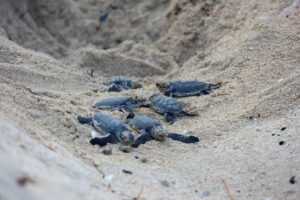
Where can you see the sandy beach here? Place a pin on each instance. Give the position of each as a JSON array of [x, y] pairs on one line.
[[55, 55]]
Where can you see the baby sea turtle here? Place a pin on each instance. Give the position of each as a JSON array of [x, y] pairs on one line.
[[114, 129], [148, 129], [168, 106], [118, 83], [151, 129], [185, 88], [125, 104]]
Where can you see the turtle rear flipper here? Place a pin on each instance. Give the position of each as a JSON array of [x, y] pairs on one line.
[[189, 110], [85, 120], [182, 138], [190, 113], [102, 141], [141, 139]]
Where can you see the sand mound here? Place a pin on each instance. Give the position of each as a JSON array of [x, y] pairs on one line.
[[60, 27], [109, 63], [249, 128]]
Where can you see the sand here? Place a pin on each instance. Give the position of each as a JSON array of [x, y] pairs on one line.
[[249, 128]]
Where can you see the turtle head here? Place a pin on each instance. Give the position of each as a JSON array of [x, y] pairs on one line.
[[153, 96], [212, 86], [136, 84], [126, 137], [163, 85], [139, 99], [159, 133], [114, 88]]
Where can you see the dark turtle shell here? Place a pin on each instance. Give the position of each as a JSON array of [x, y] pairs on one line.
[[108, 124], [143, 122], [185, 88], [112, 102], [164, 104]]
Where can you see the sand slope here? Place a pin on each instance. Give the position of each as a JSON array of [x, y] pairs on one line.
[[51, 48]]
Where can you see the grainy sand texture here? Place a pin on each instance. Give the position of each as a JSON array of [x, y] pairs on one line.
[[55, 55]]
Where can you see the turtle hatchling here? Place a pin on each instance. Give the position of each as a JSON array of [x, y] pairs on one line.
[[118, 83], [125, 104], [151, 129], [185, 88], [168, 106], [148, 128], [114, 129]]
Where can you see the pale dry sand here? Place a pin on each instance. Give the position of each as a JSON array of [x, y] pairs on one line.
[[253, 47]]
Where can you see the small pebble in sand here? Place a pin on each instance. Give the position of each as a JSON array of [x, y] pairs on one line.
[[165, 183], [292, 180], [73, 102], [283, 128], [18, 61], [96, 163], [107, 150], [206, 193], [109, 177], [119, 41], [127, 171], [24, 180], [125, 149], [143, 160], [281, 142], [103, 17]]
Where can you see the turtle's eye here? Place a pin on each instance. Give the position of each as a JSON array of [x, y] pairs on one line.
[[127, 136], [159, 85], [163, 135], [124, 137]]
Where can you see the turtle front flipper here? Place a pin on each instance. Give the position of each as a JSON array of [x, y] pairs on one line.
[[104, 140], [85, 120], [182, 138], [204, 92], [168, 93], [141, 139], [128, 110], [170, 117]]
